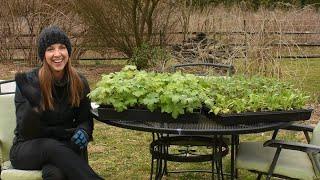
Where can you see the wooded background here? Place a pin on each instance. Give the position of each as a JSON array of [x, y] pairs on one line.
[[265, 30]]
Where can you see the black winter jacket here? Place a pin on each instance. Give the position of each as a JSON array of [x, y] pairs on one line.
[[59, 123]]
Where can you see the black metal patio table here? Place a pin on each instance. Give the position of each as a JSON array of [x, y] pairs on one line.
[[202, 127]]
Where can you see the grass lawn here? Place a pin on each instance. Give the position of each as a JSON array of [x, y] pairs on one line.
[[305, 75], [118, 153], [124, 154]]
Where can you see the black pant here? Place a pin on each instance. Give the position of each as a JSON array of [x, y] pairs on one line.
[[57, 160]]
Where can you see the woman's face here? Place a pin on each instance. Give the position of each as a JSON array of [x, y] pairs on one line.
[[57, 57]]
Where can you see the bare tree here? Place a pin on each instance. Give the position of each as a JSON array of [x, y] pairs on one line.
[[21, 22], [122, 25]]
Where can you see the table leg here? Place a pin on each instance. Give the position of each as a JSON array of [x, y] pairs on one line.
[[232, 158], [220, 159], [152, 156], [164, 165], [214, 148], [151, 170], [218, 155], [159, 149], [234, 149], [158, 169], [165, 170], [160, 162], [236, 152]]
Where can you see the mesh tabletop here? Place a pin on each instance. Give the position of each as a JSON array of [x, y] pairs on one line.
[[202, 127]]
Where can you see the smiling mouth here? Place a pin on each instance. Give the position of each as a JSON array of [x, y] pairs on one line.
[[58, 61]]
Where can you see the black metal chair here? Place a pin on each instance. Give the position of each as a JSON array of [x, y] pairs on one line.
[[278, 158]]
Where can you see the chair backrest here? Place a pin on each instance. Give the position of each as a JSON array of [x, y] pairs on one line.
[[315, 158], [7, 124], [316, 135], [204, 69]]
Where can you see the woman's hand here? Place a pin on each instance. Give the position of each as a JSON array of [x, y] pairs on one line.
[[80, 138]]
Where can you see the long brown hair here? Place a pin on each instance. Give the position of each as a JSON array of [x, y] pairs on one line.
[[46, 79]]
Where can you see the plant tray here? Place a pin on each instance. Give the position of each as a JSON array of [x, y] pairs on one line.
[[261, 117], [106, 113]]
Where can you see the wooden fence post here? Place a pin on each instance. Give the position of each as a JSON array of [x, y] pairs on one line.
[[161, 38], [245, 42]]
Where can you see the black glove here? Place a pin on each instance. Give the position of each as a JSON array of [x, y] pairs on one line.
[[80, 138], [32, 94]]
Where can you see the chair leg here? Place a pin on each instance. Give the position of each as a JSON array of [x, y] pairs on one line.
[[259, 176], [273, 164], [151, 170], [212, 162]]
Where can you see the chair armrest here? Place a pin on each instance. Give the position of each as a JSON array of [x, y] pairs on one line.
[[299, 127], [308, 148]]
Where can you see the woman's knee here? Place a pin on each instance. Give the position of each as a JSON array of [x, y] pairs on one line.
[[50, 172]]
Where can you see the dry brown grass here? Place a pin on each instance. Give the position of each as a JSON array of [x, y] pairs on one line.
[[254, 44], [258, 57]]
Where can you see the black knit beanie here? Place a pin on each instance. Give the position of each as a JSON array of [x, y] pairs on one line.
[[52, 35]]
